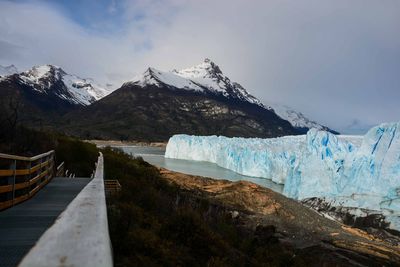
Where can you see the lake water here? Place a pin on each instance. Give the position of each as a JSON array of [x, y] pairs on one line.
[[155, 156]]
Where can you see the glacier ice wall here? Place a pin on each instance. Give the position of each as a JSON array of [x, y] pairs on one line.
[[342, 170], [267, 158]]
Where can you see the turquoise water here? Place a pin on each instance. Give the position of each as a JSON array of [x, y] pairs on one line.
[[155, 156]]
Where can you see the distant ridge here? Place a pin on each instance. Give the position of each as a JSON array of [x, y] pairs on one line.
[[155, 105], [208, 78]]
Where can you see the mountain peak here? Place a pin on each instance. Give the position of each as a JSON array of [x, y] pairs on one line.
[[209, 62], [206, 77], [51, 79], [205, 69], [149, 76], [8, 70], [11, 67], [40, 72]]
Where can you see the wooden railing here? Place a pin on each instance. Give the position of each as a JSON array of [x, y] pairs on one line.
[[60, 170], [23, 177], [112, 187]]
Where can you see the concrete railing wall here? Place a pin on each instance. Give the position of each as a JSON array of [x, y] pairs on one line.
[[80, 236]]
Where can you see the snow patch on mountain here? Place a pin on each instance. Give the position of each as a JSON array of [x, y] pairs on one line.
[[160, 78], [86, 91], [71, 87], [39, 77], [296, 119]]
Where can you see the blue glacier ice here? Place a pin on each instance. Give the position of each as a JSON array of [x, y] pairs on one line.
[[354, 172]]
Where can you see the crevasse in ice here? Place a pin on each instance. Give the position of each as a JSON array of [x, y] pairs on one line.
[[319, 164]]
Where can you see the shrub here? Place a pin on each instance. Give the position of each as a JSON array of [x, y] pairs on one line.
[[150, 227], [79, 157]]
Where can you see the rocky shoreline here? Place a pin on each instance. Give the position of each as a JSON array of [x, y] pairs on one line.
[[116, 143], [273, 216]]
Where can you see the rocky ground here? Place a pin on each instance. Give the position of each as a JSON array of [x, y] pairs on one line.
[[272, 215]]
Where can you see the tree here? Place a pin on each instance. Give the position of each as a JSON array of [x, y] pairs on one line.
[[9, 116]]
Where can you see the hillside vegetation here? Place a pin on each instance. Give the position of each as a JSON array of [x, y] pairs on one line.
[[153, 223]]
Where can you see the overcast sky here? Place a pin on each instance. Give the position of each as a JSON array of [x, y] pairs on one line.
[[336, 61]]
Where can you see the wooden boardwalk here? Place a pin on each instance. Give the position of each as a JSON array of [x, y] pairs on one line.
[[21, 226]]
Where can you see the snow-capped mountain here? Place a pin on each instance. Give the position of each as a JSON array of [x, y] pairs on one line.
[[208, 78], [7, 70], [296, 118], [198, 100], [49, 79]]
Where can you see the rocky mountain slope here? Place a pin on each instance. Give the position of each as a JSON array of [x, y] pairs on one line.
[[155, 113]]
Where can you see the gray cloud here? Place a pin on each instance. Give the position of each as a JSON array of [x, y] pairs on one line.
[[336, 61], [9, 51]]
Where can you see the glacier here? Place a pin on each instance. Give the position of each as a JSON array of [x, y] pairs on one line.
[[361, 172]]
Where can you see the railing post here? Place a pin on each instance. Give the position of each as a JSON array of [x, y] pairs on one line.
[[14, 175], [47, 159], [53, 164], [54, 173], [29, 177]]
